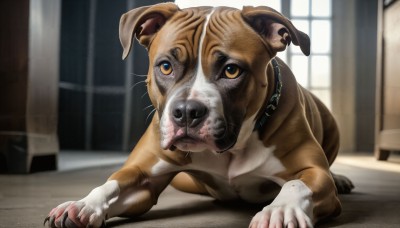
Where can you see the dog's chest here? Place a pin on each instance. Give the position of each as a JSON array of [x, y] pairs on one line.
[[247, 174]]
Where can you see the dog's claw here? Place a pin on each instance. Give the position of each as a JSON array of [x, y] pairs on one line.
[[51, 221], [46, 220], [64, 218]]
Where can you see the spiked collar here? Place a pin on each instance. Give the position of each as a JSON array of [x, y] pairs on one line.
[[274, 100]]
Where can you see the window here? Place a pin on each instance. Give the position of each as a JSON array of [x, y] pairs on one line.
[[314, 72], [310, 16]]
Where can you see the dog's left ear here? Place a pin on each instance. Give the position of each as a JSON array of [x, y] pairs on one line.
[[143, 23], [275, 29]]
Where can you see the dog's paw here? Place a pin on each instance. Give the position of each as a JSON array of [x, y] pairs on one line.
[[75, 214], [91, 211], [291, 208], [281, 216], [343, 184]]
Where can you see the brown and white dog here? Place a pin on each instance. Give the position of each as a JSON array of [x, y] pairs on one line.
[[231, 121]]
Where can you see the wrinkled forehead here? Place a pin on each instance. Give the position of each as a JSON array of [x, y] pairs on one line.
[[224, 28], [181, 34], [229, 34]]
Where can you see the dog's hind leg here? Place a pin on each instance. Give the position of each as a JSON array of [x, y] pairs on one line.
[[343, 184], [330, 145], [331, 148]]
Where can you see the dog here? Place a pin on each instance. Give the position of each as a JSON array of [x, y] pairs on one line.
[[231, 121]]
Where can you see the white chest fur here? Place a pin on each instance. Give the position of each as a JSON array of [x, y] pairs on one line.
[[238, 174]]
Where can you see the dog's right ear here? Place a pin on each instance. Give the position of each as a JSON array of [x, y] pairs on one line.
[[275, 29], [143, 23]]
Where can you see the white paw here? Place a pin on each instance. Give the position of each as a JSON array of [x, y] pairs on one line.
[[281, 216], [90, 211], [75, 214], [293, 207]]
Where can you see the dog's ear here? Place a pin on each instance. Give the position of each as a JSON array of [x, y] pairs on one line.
[[143, 23], [275, 28]]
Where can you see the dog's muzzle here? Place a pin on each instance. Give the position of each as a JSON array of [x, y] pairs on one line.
[[190, 125]]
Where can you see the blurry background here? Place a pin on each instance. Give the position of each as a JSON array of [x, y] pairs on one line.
[[65, 92]]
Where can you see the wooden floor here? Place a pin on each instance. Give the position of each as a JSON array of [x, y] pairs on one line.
[[375, 202]]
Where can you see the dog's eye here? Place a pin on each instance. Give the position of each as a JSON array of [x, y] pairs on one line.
[[166, 68], [232, 71]]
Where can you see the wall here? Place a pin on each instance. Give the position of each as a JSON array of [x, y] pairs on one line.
[[366, 47], [354, 41], [344, 70]]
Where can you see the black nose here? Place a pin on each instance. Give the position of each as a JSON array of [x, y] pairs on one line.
[[188, 113]]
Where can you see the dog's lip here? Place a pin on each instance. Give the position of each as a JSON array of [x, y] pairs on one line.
[[186, 138], [224, 150], [228, 148]]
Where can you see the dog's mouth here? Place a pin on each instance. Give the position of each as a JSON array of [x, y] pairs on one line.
[[195, 142], [184, 142]]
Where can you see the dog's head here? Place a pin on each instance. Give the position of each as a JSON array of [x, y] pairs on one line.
[[208, 76]]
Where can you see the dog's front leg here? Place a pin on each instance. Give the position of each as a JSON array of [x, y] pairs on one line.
[[131, 191], [128, 192], [309, 195]]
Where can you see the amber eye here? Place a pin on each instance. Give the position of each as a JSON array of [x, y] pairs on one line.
[[232, 71], [166, 68]]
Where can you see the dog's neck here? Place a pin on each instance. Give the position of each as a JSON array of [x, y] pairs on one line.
[[273, 100]]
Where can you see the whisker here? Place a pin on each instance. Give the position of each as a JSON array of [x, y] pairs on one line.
[[139, 75], [148, 107], [154, 110], [144, 95], [137, 83]]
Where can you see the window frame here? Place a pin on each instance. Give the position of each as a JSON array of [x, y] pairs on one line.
[[286, 10]]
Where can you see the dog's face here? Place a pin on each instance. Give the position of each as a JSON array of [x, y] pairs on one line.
[[208, 77], [204, 75]]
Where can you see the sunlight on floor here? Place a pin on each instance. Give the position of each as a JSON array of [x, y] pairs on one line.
[[72, 160], [369, 162]]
